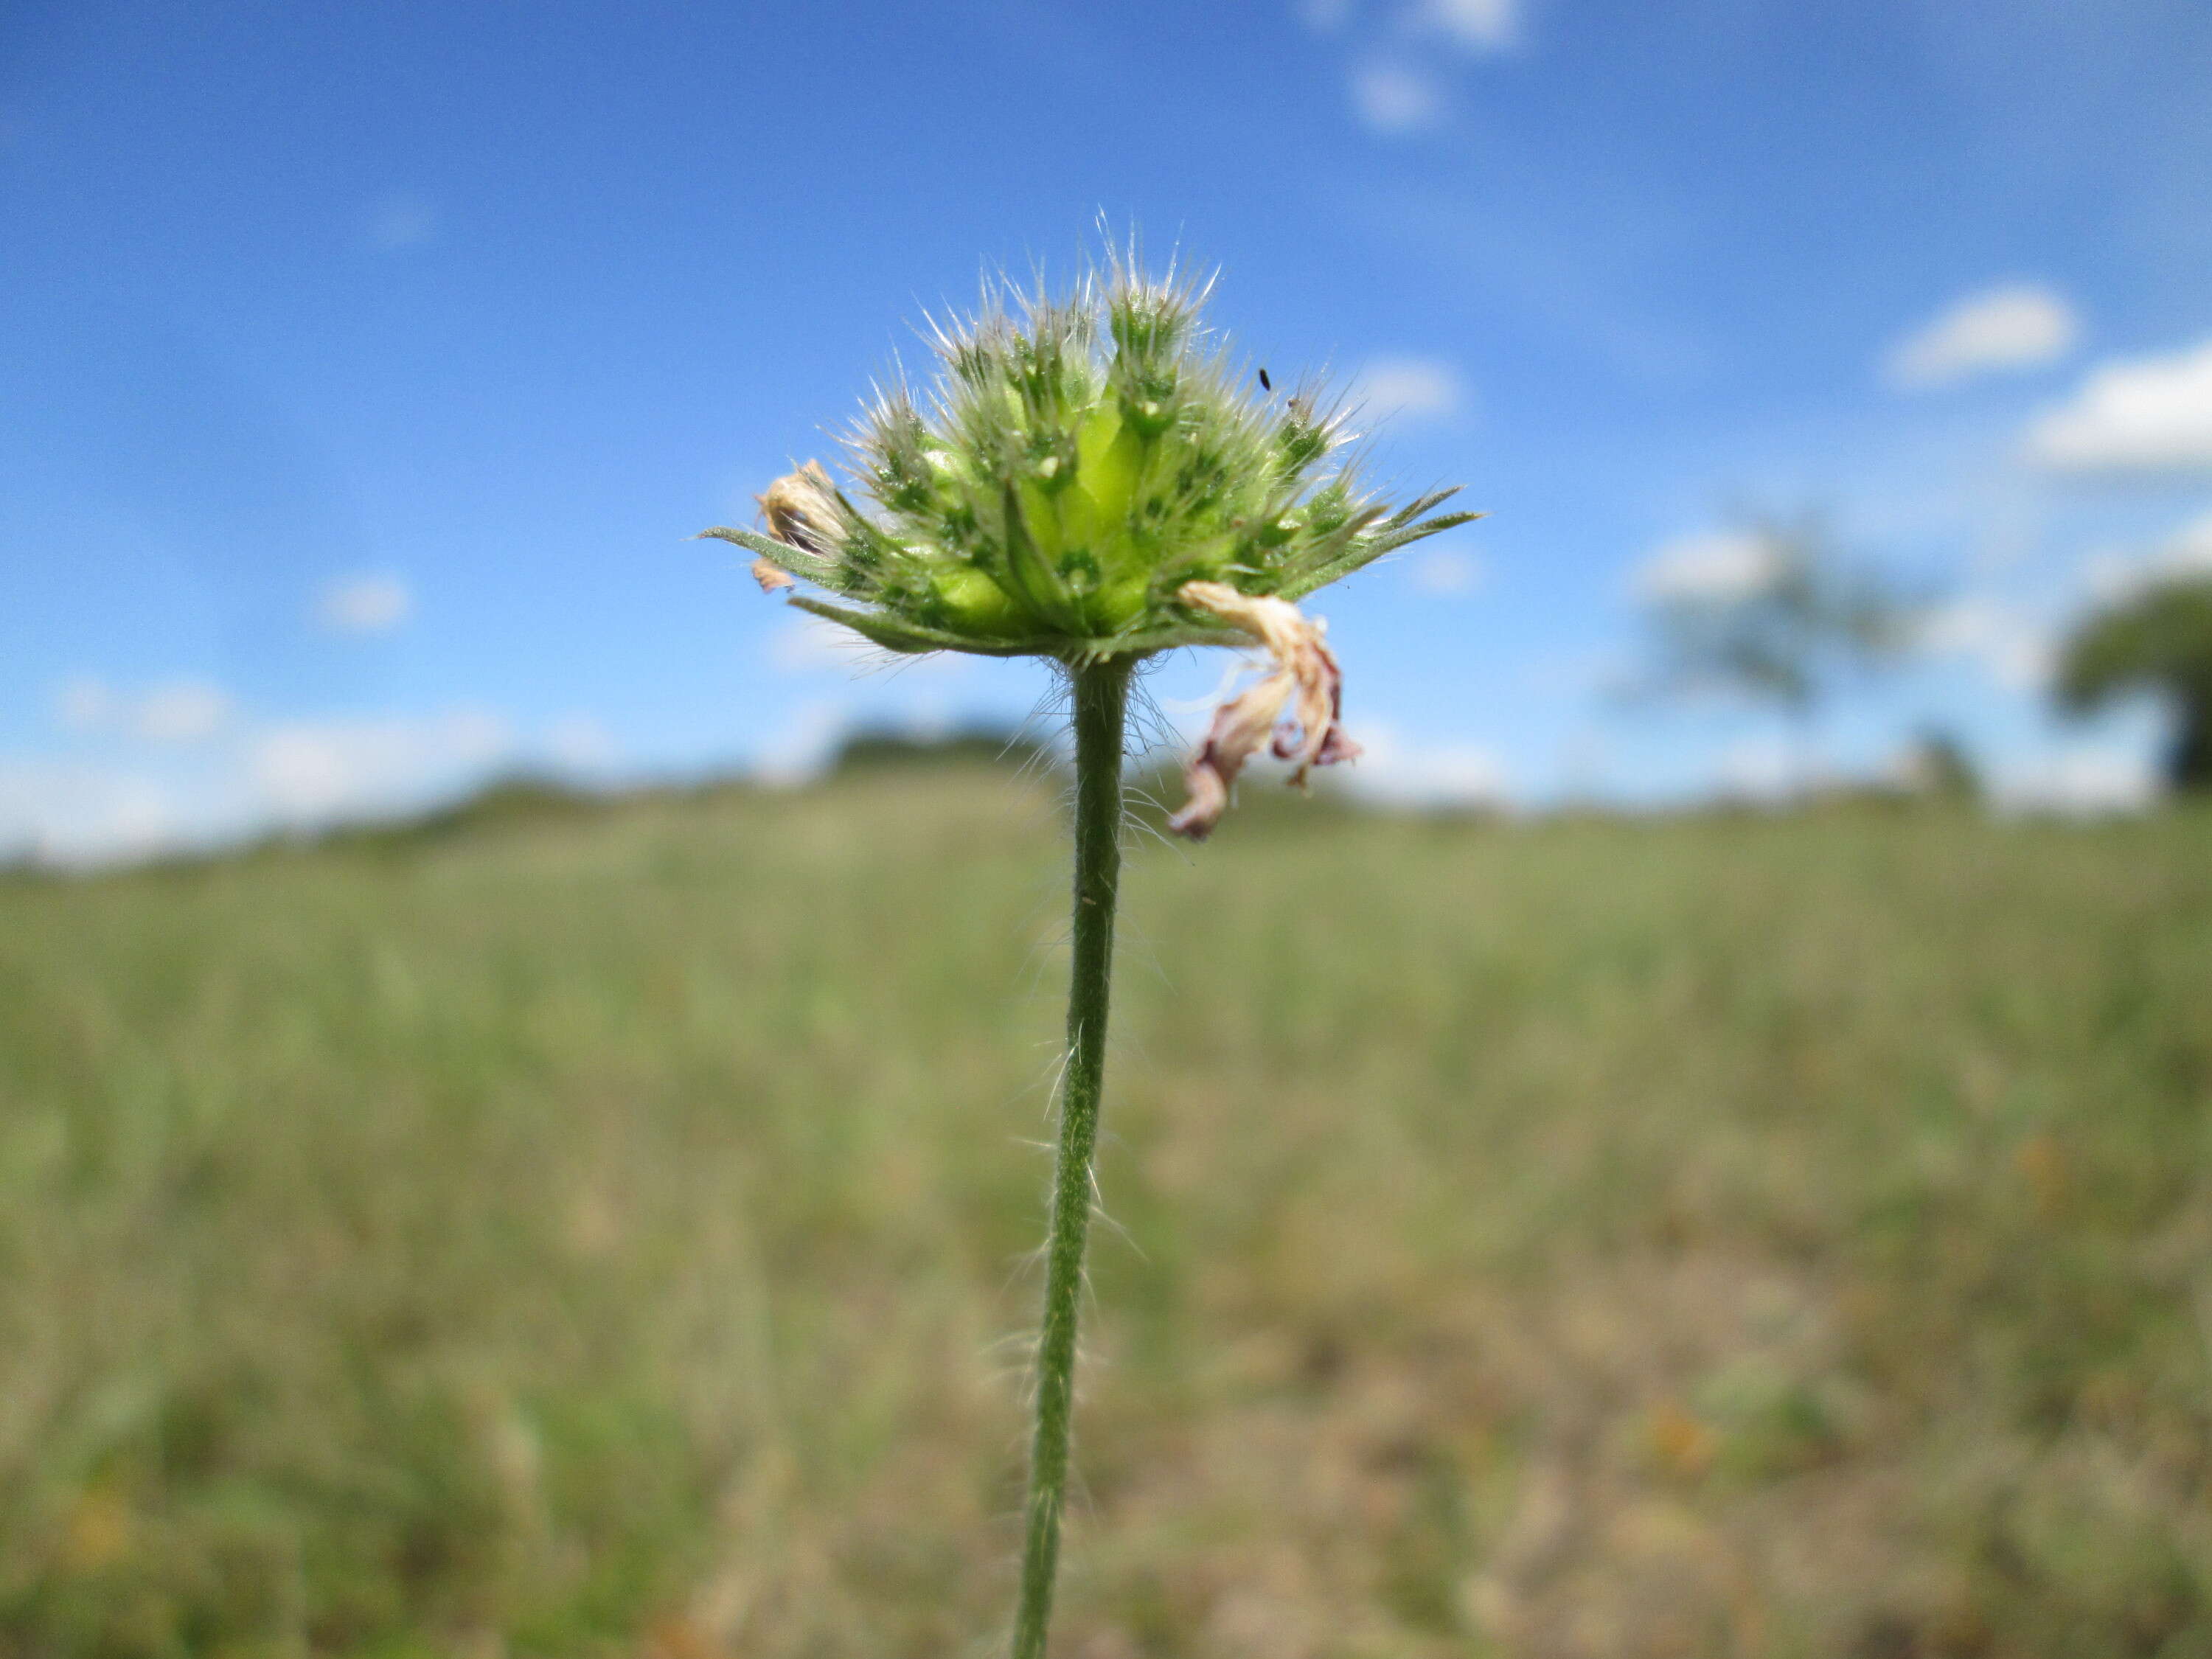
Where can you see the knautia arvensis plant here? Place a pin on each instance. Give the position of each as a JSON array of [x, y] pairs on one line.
[[1092, 480]]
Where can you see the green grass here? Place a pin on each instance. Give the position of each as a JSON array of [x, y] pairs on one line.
[[607, 1233]]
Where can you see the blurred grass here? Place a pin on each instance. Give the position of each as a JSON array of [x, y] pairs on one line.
[[603, 1232]]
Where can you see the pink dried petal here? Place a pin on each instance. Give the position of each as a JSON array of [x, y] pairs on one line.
[[1209, 798], [1305, 670], [1240, 726], [1337, 747]]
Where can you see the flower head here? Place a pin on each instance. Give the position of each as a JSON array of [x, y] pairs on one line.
[[1090, 477]]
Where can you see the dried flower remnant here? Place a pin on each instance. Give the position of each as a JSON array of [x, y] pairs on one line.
[[1305, 679], [801, 508]]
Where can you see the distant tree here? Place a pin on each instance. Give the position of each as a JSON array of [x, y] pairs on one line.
[[875, 748], [2158, 642], [1784, 619]]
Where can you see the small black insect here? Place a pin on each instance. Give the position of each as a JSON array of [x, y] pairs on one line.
[[1266, 385]]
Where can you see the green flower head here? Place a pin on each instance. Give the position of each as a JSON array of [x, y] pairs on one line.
[[1091, 477]]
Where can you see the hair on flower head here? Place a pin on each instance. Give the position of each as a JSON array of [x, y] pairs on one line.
[[1090, 477]]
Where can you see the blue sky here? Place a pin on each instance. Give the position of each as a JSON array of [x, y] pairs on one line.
[[368, 367]]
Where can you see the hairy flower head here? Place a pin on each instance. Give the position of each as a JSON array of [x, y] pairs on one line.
[[1089, 477]]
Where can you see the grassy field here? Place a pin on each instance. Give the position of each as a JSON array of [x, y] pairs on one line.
[[607, 1234]]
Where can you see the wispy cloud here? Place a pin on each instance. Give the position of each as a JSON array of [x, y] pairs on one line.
[[365, 603], [1480, 26], [83, 703], [804, 744], [1449, 572], [2080, 780], [1402, 54], [1761, 769], [2018, 326], [313, 772], [2141, 415], [174, 711], [72, 813], [1400, 772], [1394, 99], [2015, 650], [397, 220], [2114, 573], [292, 774], [1704, 566], [1414, 388], [187, 711], [803, 644], [806, 644], [581, 744]]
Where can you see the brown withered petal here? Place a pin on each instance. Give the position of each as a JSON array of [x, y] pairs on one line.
[[1305, 670], [1209, 798], [1337, 747], [769, 578], [1240, 727], [801, 508]]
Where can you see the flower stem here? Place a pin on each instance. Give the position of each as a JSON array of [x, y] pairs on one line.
[[1102, 697]]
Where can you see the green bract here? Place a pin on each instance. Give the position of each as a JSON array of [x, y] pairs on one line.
[[1078, 461]]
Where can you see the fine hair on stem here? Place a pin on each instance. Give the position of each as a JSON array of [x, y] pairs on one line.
[[1099, 700]]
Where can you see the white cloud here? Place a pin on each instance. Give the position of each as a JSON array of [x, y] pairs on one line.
[[2015, 651], [314, 772], [186, 711], [71, 814], [804, 744], [1706, 567], [2192, 543], [1761, 770], [1400, 773], [807, 644], [2080, 781], [2140, 414], [399, 220], [177, 711], [2017, 326], [83, 703], [1483, 25], [580, 743], [1411, 387], [1448, 572], [366, 604], [298, 775], [1394, 99], [1324, 17], [2188, 551], [2114, 575]]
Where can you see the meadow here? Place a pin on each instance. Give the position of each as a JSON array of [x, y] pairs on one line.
[[607, 1232]]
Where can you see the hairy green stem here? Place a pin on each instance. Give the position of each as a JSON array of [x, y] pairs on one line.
[[1102, 698]]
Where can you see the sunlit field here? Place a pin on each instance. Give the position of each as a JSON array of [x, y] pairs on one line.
[[607, 1231]]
